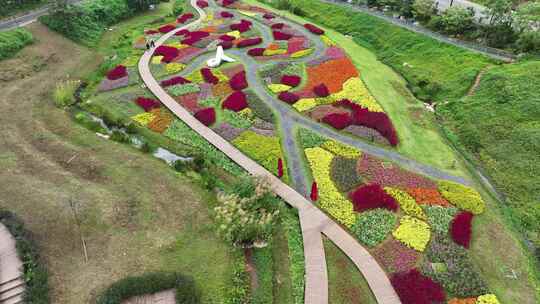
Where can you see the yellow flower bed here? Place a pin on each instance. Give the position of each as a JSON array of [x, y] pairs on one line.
[[406, 203], [301, 53], [487, 299], [157, 59], [174, 67], [196, 76], [144, 118], [274, 52], [462, 197], [131, 61], [235, 34], [327, 41], [330, 198], [177, 45], [355, 90], [278, 88], [247, 13], [248, 114], [413, 232], [305, 104], [340, 149]]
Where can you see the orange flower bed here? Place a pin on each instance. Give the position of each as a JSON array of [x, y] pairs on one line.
[[462, 301], [333, 74], [428, 197], [222, 90], [161, 121], [209, 29], [273, 46]]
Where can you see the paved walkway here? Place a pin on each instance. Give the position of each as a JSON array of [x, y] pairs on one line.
[[162, 297], [314, 221], [11, 283]]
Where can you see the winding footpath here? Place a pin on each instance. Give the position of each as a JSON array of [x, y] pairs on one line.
[[11, 277], [313, 221]]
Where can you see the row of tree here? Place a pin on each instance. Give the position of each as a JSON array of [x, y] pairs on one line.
[[7, 7], [504, 24]]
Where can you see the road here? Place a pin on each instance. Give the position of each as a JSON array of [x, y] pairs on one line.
[[28, 18]]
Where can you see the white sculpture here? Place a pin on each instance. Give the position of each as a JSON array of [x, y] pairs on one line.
[[220, 56]]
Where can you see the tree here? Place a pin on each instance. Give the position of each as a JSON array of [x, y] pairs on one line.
[[457, 20], [140, 5], [527, 20], [424, 9]]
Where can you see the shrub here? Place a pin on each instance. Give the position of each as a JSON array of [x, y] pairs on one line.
[[207, 116], [288, 97], [291, 80], [64, 93], [337, 120], [459, 277], [462, 197], [147, 104], [406, 203], [373, 226], [321, 90], [256, 52], [150, 283], [268, 16], [461, 229], [439, 218], [208, 76], [281, 35], [249, 42], [314, 194], [314, 29], [330, 199], [343, 173], [278, 26], [414, 288], [226, 37], [118, 72], [13, 41], [174, 81], [35, 272], [238, 82], [412, 232], [236, 102], [372, 197]]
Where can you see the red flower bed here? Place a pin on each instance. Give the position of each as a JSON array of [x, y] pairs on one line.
[[166, 28], [168, 52], [291, 80], [202, 3], [209, 76], [226, 38], [378, 121], [237, 101], [194, 37], [249, 42], [321, 90], [182, 32], [338, 120], [226, 44], [278, 26], [227, 2], [238, 82], [151, 32], [185, 17], [207, 116], [280, 168], [288, 97], [118, 72], [461, 228], [226, 15], [242, 27], [413, 287], [314, 29], [281, 35], [147, 104], [174, 81], [268, 16], [314, 192], [370, 197], [256, 52]]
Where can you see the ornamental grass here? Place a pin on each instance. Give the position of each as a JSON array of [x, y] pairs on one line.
[[371, 197], [117, 72], [239, 82], [413, 232], [236, 102], [461, 229], [413, 287], [207, 116]]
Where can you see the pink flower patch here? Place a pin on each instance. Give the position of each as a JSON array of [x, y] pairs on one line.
[[226, 38], [278, 26], [237, 101], [185, 17], [168, 53], [296, 44], [183, 32], [202, 3], [190, 102], [268, 16], [226, 15]]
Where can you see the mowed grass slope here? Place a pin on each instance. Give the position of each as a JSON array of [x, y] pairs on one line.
[[137, 214]]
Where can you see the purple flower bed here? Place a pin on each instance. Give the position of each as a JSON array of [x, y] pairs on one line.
[[236, 102], [396, 257], [256, 52], [227, 131], [174, 81], [288, 97], [291, 80], [107, 84], [249, 42], [314, 29], [238, 82], [209, 76], [206, 91]]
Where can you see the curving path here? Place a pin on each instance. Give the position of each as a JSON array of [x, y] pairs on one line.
[[314, 221], [11, 276]]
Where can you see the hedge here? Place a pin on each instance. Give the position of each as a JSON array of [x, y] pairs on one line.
[[186, 292], [13, 41]]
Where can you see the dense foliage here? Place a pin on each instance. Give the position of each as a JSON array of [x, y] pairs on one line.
[[11, 6], [373, 226], [13, 41]]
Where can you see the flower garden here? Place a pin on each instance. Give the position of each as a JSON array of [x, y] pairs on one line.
[[417, 228]]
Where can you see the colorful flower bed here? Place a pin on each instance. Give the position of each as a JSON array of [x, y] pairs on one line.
[[414, 287], [372, 227], [118, 72], [462, 197], [207, 116], [236, 102], [413, 232], [371, 197]]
